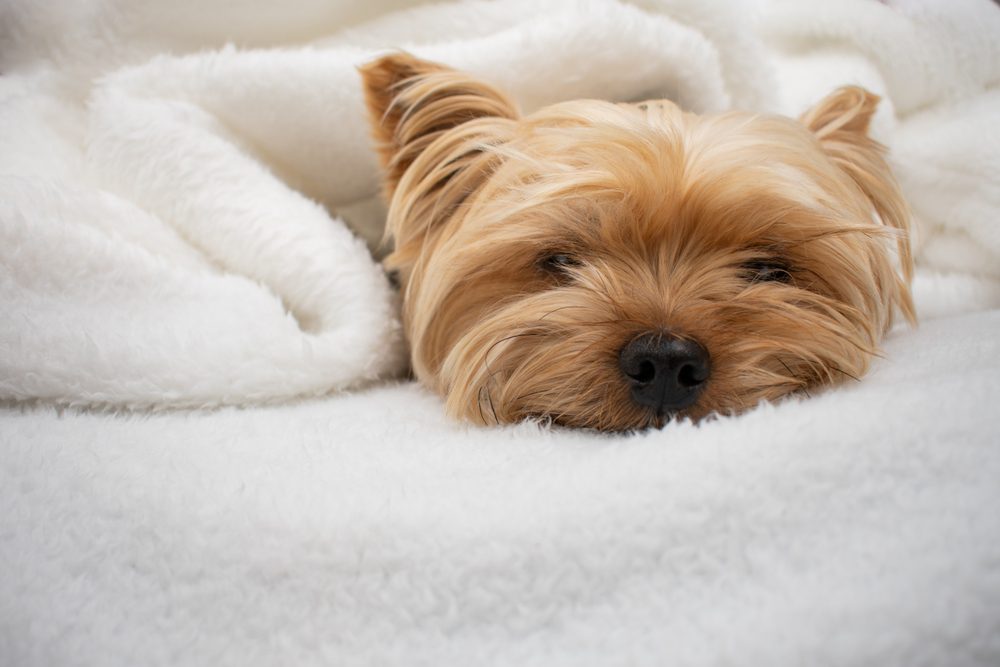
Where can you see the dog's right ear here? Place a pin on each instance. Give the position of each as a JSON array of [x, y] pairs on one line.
[[412, 102], [435, 128]]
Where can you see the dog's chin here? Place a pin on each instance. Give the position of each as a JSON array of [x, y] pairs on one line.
[[485, 405]]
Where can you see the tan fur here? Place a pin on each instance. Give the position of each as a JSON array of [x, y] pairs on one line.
[[661, 209]]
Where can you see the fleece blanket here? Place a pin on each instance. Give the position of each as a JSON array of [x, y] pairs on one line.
[[188, 213]]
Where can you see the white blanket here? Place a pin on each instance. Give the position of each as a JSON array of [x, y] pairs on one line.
[[174, 233]]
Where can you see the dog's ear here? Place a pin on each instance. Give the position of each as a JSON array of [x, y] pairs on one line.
[[847, 111], [840, 122], [435, 128], [412, 102]]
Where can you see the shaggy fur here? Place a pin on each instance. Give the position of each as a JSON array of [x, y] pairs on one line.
[[531, 250]]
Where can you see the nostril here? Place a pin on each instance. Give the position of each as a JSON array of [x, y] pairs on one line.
[[689, 376], [647, 371]]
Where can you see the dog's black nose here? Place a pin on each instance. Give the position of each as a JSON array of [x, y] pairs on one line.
[[666, 372]]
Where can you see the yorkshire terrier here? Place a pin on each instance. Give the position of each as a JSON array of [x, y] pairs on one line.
[[612, 266]]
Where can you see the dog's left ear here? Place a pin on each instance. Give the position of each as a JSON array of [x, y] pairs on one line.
[[840, 122]]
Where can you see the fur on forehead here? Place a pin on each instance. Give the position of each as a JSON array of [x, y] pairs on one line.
[[649, 171]]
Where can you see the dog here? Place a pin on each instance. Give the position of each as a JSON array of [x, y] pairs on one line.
[[614, 266]]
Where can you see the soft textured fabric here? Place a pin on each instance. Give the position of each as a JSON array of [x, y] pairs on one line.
[[178, 184], [858, 527]]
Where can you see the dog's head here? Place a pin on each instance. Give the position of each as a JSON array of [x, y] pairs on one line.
[[612, 265]]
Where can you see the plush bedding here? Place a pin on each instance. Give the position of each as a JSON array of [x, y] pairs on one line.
[[207, 455]]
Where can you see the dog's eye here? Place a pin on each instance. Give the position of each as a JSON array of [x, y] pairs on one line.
[[766, 271], [558, 263]]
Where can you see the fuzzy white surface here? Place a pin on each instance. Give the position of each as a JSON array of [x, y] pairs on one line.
[[858, 527], [169, 236]]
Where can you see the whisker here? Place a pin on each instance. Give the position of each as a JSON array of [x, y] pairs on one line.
[[479, 403], [489, 398], [792, 376], [486, 357], [841, 370], [556, 310]]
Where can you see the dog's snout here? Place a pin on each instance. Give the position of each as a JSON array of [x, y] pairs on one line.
[[666, 373]]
